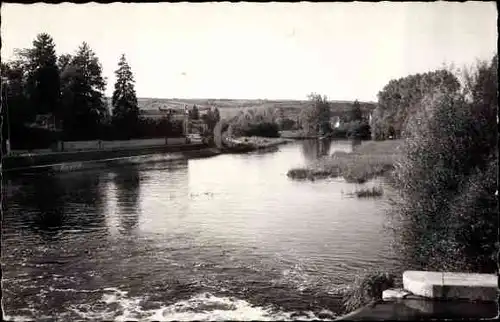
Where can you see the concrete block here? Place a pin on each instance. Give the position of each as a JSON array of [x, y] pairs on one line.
[[448, 285], [394, 293]]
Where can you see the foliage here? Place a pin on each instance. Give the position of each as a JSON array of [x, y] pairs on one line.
[[210, 119], [315, 118], [287, 124], [367, 288], [400, 99], [43, 83], [219, 129], [445, 213], [355, 114], [29, 138], [63, 61], [30, 85], [124, 101], [358, 129], [254, 122], [270, 130], [194, 113], [370, 160], [356, 126], [369, 192], [83, 95], [14, 76]]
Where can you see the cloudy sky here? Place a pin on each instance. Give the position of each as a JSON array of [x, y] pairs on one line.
[[276, 51]]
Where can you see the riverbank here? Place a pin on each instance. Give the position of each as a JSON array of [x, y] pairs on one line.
[[367, 161], [245, 144], [427, 295], [62, 161], [296, 135], [82, 159]]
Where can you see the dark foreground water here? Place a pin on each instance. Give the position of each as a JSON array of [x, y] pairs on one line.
[[228, 238]]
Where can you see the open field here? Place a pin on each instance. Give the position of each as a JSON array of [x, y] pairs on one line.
[[231, 107], [370, 159]]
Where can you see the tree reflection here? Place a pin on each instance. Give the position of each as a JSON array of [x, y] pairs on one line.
[[315, 149], [355, 143], [49, 203], [127, 183]]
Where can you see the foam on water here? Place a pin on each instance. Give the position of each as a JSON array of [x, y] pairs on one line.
[[201, 307]]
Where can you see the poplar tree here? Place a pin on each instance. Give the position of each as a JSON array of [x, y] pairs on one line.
[[124, 100]]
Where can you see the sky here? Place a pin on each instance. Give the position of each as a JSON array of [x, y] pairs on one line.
[[345, 51]]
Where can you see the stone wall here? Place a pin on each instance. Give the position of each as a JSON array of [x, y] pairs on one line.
[[125, 144]]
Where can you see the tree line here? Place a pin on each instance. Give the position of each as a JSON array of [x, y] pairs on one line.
[[70, 88], [316, 119]]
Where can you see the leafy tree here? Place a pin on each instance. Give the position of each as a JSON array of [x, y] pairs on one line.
[[357, 126], [444, 216], [287, 124], [14, 75], [83, 99], [194, 113], [124, 100], [355, 114], [216, 114], [211, 118], [399, 101], [43, 83], [315, 118], [251, 121]]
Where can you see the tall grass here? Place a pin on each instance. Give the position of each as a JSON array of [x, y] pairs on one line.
[[367, 288], [369, 192], [369, 160]]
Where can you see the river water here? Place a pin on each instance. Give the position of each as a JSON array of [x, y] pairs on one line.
[[228, 237]]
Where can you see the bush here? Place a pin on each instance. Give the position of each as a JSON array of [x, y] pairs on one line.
[[269, 130], [445, 213], [358, 130], [29, 138], [369, 192], [400, 99], [367, 288], [288, 125]]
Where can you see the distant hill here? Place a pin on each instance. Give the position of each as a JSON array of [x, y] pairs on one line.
[[231, 107]]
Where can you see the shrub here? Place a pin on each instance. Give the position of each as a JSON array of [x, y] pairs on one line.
[[367, 288], [400, 99], [269, 130], [445, 214], [28, 138], [369, 192], [288, 125], [359, 130]]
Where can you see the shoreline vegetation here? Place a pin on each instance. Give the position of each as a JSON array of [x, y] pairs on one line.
[[254, 143], [367, 161]]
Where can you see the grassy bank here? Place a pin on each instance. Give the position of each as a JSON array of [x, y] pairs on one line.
[[20, 162], [367, 161], [262, 142], [296, 134], [249, 144]]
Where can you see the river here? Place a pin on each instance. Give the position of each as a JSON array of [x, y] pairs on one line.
[[229, 237]]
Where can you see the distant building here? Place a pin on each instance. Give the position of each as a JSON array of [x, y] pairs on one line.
[[161, 113]]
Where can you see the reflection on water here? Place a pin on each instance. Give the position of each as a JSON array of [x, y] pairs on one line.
[[127, 185], [187, 240], [315, 149]]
